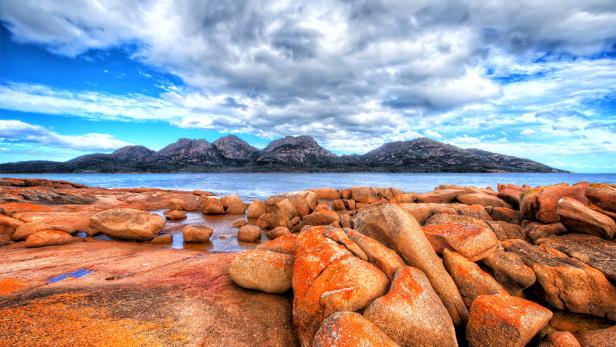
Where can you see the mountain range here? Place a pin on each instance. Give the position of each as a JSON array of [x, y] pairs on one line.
[[288, 154]]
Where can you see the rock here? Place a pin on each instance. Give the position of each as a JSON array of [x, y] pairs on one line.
[[598, 338], [255, 209], [505, 214], [346, 221], [592, 250], [510, 271], [327, 278], [212, 206], [233, 204], [511, 193], [283, 244], [175, 214], [326, 193], [285, 211], [472, 241], [239, 223], [577, 217], [470, 279], [540, 203], [312, 199], [535, 231], [48, 238], [502, 320], [338, 204], [350, 329], [370, 195], [277, 232], [482, 199], [421, 212], [177, 204], [560, 339], [602, 195], [127, 223], [269, 272], [341, 237], [384, 258], [54, 221], [197, 233], [439, 196], [249, 233], [390, 225], [323, 217], [162, 239], [8, 225], [567, 283], [506, 231], [411, 313]]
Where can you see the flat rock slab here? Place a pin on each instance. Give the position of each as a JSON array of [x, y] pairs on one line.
[[132, 294]]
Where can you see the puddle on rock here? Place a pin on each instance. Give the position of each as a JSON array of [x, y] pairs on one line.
[[75, 274]]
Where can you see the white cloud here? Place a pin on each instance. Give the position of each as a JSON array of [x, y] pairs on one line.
[[16, 131]]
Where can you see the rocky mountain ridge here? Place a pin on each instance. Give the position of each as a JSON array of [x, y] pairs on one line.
[[288, 154]]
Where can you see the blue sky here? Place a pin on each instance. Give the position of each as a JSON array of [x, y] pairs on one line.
[[533, 79]]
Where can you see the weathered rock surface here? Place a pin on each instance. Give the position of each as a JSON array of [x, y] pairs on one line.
[[327, 278], [126, 223], [284, 244], [162, 239], [502, 320], [197, 233], [175, 214], [510, 271], [249, 233], [482, 199], [577, 217], [535, 231], [470, 279], [592, 250], [390, 225], [383, 257], [277, 232], [269, 272], [603, 195], [233, 204], [506, 231], [350, 329], [48, 238], [598, 338], [472, 241], [560, 339], [411, 313], [255, 209], [566, 282], [540, 203], [212, 206]]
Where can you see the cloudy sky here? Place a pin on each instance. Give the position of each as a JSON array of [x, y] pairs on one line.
[[535, 79]]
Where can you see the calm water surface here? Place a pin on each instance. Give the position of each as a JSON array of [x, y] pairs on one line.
[[260, 185]]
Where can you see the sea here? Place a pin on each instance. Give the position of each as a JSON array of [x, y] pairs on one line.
[[261, 185]]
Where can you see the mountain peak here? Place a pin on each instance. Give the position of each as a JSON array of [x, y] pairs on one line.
[[233, 148]]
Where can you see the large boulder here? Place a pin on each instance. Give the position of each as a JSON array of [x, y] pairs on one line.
[[249, 233], [384, 258], [439, 196], [540, 203], [482, 199], [48, 238], [470, 279], [510, 271], [411, 313], [211, 206], [592, 250], [560, 339], [506, 231], [269, 272], [326, 193], [598, 338], [567, 283], [284, 244], [502, 320], [323, 217], [327, 278], [577, 217], [233, 204], [472, 241], [277, 232], [511, 193], [175, 214], [8, 225], [128, 223], [602, 195], [390, 225], [197, 233], [535, 231], [256, 209], [350, 329]]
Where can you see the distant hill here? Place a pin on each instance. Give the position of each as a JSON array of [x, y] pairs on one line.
[[289, 154]]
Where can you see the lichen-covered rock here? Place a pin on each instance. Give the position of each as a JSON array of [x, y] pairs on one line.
[[249, 233], [506, 231], [603, 195], [233, 204], [470, 279], [510, 271], [482, 199], [592, 250], [283, 244], [127, 223], [505, 214], [411, 313], [327, 278], [8, 225], [48, 238], [197, 233], [277, 232], [323, 217], [350, 329], [390, 225], [540, 203], [560, 339], [255, 209], [577, 217], [567, 283], [269, 272], [502, 320], [439, 196], [472, 241], [384, 258], [211, 206], [598, 338], [535, 231]]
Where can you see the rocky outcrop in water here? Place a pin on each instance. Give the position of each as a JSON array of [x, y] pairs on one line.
[[290, 154]]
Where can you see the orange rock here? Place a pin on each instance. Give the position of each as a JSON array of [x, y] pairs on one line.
[[239, 223], [470, 279], [502, 320], [601, 194], [177, 204], [12, 207], [560, 339], [576, 216], [511, 193], [505, 214], [277, 232], [255, 209], [439, 196], [233, 204], [411, 313], [249, 233], [326, 193], [506, 231], [510, 271], [323, 217], [175, 214], [212, 206], [482, 199], [282, 244], [197, 233], [48, 238], [162, 239], [10, 285], [350, 329], [269, 272], [473, 242], [540, 203], [384, 258], [127, 223], [598, 338], [535, 231], [8, 225]]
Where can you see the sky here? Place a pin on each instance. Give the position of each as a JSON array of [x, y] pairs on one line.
[[534, 79]]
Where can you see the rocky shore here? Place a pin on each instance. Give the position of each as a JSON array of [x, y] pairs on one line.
[[359, 266]]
